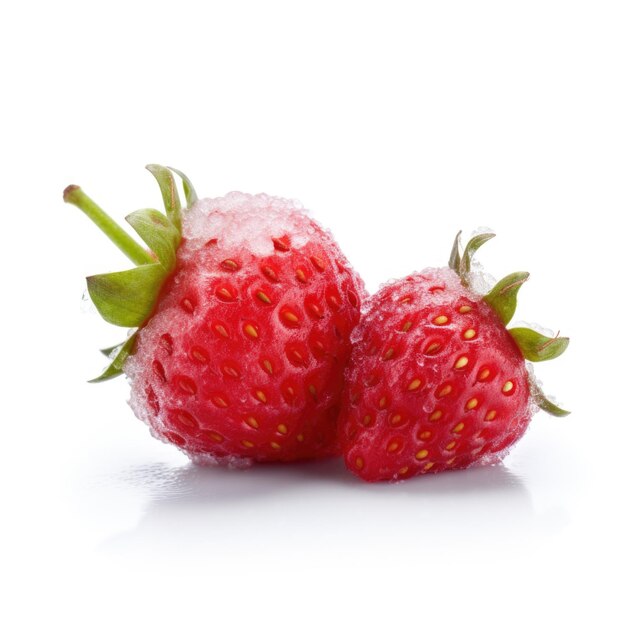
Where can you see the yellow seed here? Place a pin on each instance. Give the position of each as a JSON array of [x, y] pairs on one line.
[[508, 385], [359, 463], [290, 317], [301, 276], [297, 356], [458, 428], [230, 264], [198, 356], [403, 470], [268, 366], [422, 454], [388, 354], [315, 310], [396, 419], [451, 461], [405, 300], [465, 309], [261, 396], [471, 404], [432, 348], [219, 401], [281, 244], [393, 446], [262, 296], [251, 331], [428, 465], [275, 445], [230, 371], [367, 420], [425, 435], [461, 362], [484, 374], [282, 429], [407, 326], [435, 415], [251, 421], [382, 402], [470, 333], [225, 293], [451, 445], [440, 320], [216, 437], [444, 391], [247, 444], [491, 415], [221, 330], [414, 384], [300, 438], [269, 272], [186, 419], [319, 263]]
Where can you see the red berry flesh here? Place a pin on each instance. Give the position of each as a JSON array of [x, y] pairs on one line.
[[243, 356], [435, 382]]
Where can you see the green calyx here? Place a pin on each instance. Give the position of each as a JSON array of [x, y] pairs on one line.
[[127, 298], [503, 300]]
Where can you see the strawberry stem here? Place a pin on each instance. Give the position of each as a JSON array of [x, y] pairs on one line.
[[76, 196]]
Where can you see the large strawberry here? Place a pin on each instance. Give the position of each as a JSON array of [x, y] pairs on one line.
[[436, 381], [244, 308]]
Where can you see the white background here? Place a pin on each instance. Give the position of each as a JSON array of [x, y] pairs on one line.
[[396, 123]]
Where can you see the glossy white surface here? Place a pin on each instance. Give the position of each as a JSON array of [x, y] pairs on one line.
[[397, 124]]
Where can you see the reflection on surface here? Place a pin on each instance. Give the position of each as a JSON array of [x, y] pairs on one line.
[[201, 486], [312, 506]]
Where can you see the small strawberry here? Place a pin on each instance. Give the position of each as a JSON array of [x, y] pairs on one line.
[[436, 381], [244, 308]]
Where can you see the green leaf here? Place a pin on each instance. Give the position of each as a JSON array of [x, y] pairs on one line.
[[455, 258], [470, 249], [159, 234], [503, 297], [126, 298], [108, 352], [115, 368], [545, 405], [190, 193], [76, 196], [537, 347], [169, 192]]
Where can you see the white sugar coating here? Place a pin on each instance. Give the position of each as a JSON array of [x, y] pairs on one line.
[[245, 220], [534, 383], [403, 287], [480, 281], [138, 403], [230, 461], [481, 230]]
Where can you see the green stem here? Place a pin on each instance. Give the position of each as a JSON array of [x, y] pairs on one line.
[[76, 196]]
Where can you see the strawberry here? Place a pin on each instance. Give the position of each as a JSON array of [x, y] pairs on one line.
[[436, 381], [244, 308]]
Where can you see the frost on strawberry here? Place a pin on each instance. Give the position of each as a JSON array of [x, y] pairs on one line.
[[436, 381], [244, 308]]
